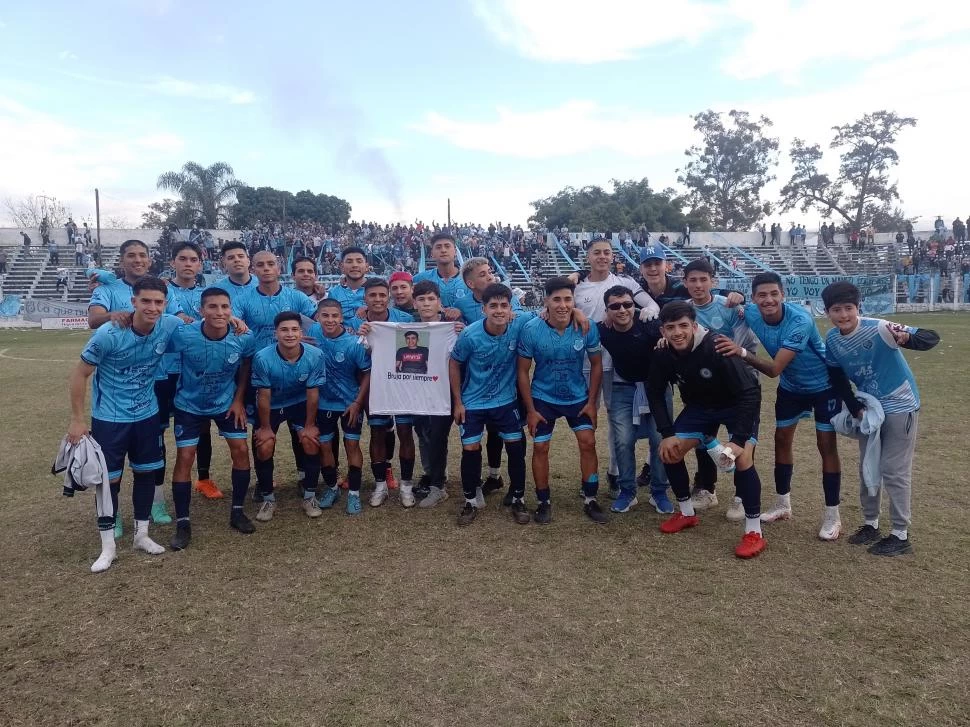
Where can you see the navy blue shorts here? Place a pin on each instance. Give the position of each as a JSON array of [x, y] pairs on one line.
[[140, 442], [189, 425], [165, 393], [505, 420], [390, 420], [699, 423], [327, 424], [551, 412], [790, 407], [294, 415]]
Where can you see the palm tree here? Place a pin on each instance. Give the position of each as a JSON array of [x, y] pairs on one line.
[[209, 191]]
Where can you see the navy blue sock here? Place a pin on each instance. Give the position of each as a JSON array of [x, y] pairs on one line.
[[181, 496], [264, 475], [471, 471], [783, 474], [748, 485], [407, 469], [679, 480], [240, 484], [516, 453], [329, 476], [832, 486], [591, 485], [379, 469], [143, 493], [542, 495], [353, 478], [493, 449], [311, 476]]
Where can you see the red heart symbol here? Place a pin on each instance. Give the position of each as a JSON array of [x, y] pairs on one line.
[[434, 378]]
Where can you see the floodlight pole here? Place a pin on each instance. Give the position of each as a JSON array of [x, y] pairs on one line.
[[449, 213], [97, 214]]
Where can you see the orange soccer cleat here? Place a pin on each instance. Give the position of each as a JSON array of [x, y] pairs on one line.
[[208, 489]]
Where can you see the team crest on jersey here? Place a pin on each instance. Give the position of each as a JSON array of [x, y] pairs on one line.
[[160, 347], [303, 377], [511, 345], [705, 373], [233, 357], [867, 345], [578, 344], [339, 357]]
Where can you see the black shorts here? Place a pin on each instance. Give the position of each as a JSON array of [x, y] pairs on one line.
[[140, 442]]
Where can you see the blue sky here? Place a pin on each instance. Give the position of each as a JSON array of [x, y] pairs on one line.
[[397, 106]]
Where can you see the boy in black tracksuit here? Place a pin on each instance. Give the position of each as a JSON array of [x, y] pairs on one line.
[[716, 390]]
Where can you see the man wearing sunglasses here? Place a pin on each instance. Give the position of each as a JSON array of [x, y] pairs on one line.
[[630, 343]]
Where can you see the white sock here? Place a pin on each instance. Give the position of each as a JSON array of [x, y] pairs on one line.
[[159, 495], [587, 500], [470, 502], [143, 542], [873, 523], [519, 500], [381, 485], [406, 483], [494, 472], [752, 524], [108, 552], [686, 507], [901, 534], [785, 499], [832, 511]]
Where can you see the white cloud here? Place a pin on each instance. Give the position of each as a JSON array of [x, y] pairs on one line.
[[571, 128], [45, 155], [582, 32], [205, 91], [785, 38], [66, 55]]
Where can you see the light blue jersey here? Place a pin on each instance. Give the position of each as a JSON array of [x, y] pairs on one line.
[[393, 316], [719, 318], [873, 362], [187, 301], [350, 300], [209, 367], [451, 289], [122, 389], [489, 363], [288, 381], [235, 290], [471, 307], [807, 373], [345, 357], [259, 310], [558, 375]]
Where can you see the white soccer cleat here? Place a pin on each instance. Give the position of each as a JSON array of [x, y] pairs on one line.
[[781, 510], [143, 542], [703, 499], [406, 493], [735, 511], [831, 525], [479, 499], [379, 495], [266, 511]]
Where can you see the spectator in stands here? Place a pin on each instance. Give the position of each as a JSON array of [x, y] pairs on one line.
[[61, 279], [55, 257], [45, 231], [71, 228], [959, 231], [79, 253], [3, 262], [764, 234], [940, 227], [686, 234], [792, 234]]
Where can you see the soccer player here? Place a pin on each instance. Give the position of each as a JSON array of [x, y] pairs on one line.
[[630, 343], [343, 400], [401, 286], [350, 293], [483, 372], [215, 368], [287, 376], [559, 389], [722, 319], [235, 263], [376, 308], [867, 351], [716, 390], [445, 274], [124, 411], [304, 272], [789, 336]]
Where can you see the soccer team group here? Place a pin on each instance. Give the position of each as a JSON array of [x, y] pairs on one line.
[[249, 354]]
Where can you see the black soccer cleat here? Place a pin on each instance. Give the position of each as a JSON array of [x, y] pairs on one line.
[[519, 513], [239, 521], [182, 537], [866, 535], [543, 513], [507, 500], [643, 479], [492, 484], [468, 514], [890, 546], [595, 513]]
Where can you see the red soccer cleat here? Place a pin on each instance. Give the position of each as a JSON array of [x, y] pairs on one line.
[[750, 546], [677, 522], [391, 482]]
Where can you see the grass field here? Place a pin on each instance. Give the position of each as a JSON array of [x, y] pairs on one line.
[[399, 617]]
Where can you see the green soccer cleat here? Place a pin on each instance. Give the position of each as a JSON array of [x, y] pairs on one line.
[[160, 514]]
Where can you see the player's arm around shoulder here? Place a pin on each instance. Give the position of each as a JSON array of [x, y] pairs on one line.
[[896, 335]]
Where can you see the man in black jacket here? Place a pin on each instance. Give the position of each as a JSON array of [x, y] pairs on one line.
[[715, 390]]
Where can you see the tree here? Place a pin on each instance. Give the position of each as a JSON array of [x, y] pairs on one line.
[[167, 212], [631, 204], [28, 212], [862, 193], [726, 173], [209, 192], [267, 203]]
